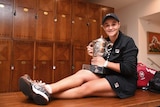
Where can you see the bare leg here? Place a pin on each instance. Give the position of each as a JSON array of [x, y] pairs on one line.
[[82, 84], [73, 81], [99, 87]]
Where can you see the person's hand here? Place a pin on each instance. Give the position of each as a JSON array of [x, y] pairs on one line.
[[90, 49], [99, 61]]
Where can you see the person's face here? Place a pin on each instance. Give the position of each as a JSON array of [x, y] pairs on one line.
[[111, 27]]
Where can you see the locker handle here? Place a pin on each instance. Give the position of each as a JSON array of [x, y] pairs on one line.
[[55, 20], [12, 67], [54, 67]]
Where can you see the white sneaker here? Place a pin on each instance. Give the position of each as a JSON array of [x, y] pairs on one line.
[[34, 90]]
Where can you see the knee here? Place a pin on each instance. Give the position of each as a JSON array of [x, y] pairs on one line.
[[83, 72], [82, 75], [85, 90]]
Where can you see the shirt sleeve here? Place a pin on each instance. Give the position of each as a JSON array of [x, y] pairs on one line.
[[129, 64]]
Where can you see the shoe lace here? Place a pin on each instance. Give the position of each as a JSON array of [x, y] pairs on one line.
[[39, 85]]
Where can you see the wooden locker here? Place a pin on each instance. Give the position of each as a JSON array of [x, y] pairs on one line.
[[45, 20], [6, 18], [23, 52], [44, 61], [47, 5], [25, 19], [45, 26], [79, 8], [63, 21], [94, 13], [63, 6], [5, 61], [80, 30], [79, 22], [94, 29], [79, 57], [63, 28], [62, 60]]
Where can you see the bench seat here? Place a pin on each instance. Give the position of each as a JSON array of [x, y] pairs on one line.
[[142, 98]]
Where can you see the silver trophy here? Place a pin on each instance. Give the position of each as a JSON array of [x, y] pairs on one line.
[[100, 48]]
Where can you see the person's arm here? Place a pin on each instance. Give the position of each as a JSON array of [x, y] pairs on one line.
[[128, 66], [112, 65]]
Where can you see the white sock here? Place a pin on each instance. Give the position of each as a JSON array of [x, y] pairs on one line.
[[48, 88]]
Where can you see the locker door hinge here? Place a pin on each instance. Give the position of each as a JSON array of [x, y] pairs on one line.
[[73, 67], [88, 24], [14, 13], [34, 67], [36, 16]]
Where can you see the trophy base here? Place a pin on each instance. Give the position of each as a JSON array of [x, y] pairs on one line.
[[94, 68]]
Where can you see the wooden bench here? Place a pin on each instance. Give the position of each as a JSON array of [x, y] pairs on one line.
[[141, 99]]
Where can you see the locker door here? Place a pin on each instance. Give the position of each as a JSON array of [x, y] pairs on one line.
[[80, 33], [63, 6], [80, 30], [45, 20], [45, 26], [79, 57], [94, 21], [63, 28], [24, 19], [6, 18], [5, 61], [23, 52], [63, 21], [79, 8], [62, 60], [44, 61], [94, 29]]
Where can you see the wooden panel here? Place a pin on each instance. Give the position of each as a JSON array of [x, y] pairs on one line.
[[45, 26], [22, 61], [79, 56], [63, 28], [26, 3], [44, 61], [47, 5], [62, 60], [5, 61], [63, 6], [79, 8], [94, 11], [24, 20], [94, 29], [6, 19], [94, 21], [80, 30]]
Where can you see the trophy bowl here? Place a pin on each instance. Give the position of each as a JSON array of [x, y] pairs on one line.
[[100, 48]]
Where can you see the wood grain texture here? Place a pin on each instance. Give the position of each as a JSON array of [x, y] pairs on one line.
[[141, 99]]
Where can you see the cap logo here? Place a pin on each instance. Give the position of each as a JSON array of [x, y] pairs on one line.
[[108, 14]]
